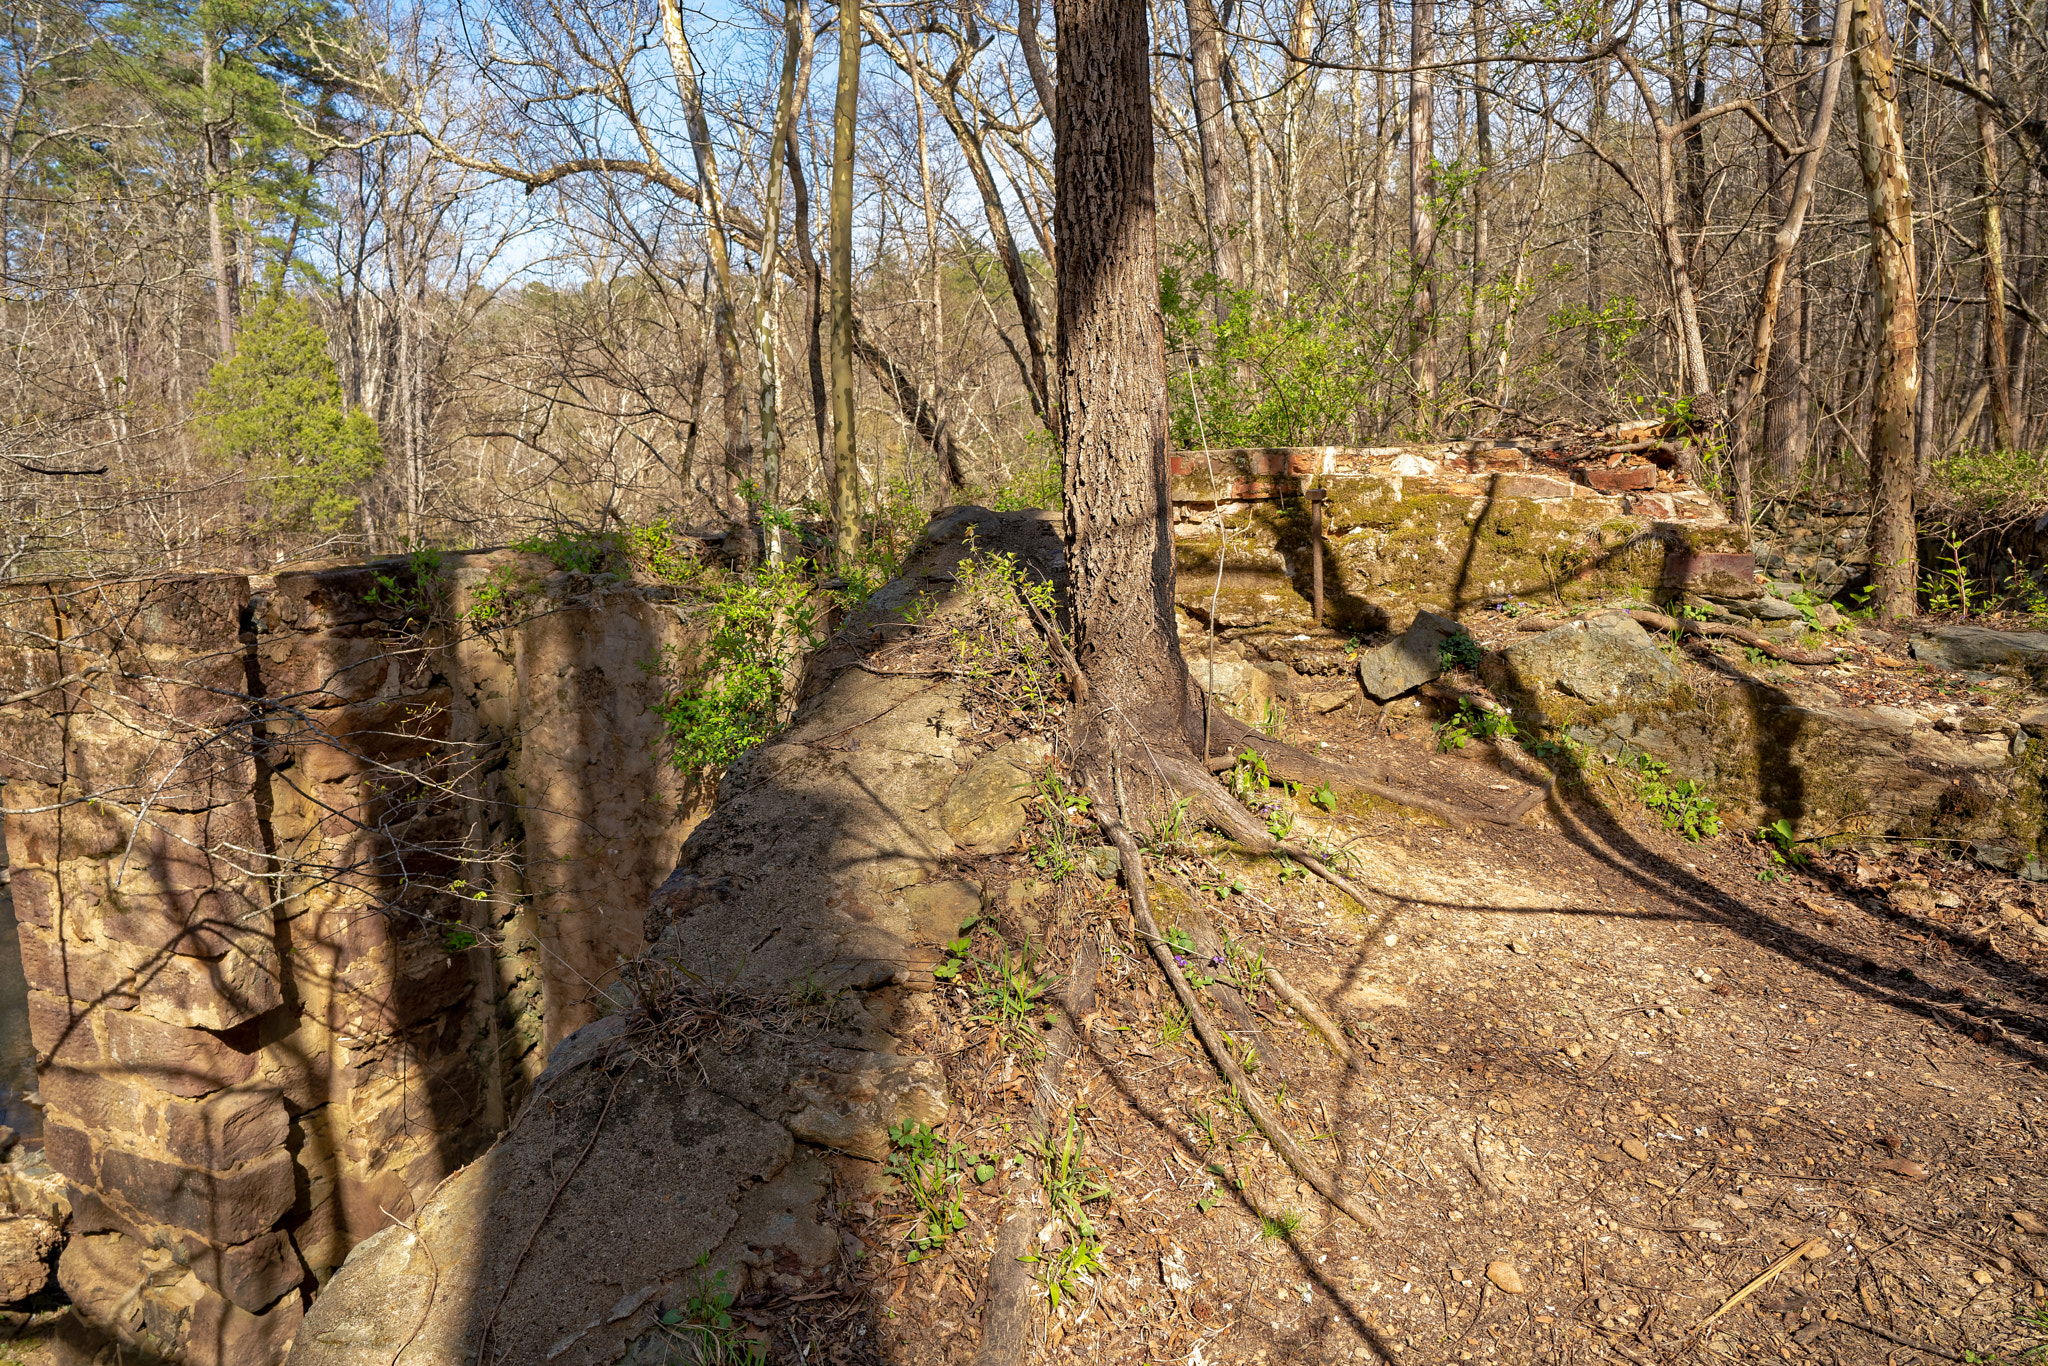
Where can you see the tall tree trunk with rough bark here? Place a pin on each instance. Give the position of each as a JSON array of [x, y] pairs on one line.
[[1422, 211], [1896, 335], [1764, 349], [711, 199], [1997, 370], [796, 70], [1112, 379], [845, 469], [1205, 38], [1784, 395]]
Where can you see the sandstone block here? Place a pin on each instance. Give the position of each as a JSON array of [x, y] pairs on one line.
[[1712, 573], [852, 1105], [1654, 505], [61, 1029], [223, 1130], [97, 1102], [221, 1207], [252, 1275], [224, 1334], [31, 736], [939, 909], [35, 897], [1979, 647], [174, 610], [1605, 661], [184, 1062], [333, 667], [985, 807], [1530, 486]]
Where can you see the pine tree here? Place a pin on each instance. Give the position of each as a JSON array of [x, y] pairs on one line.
[[274, 409]]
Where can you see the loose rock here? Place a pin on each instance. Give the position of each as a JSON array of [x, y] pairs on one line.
[[1505, 1277]]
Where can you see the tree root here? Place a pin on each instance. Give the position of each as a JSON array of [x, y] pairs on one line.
[[1310, 1011], [1304, 1166], [1657, 621]]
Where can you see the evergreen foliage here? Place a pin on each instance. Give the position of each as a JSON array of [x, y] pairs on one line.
[[275, 409]]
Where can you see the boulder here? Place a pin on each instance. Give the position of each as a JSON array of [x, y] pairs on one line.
[[1406, 663], [1979, 647], [1604, 661]]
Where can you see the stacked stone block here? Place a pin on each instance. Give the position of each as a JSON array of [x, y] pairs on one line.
[[309, 877]]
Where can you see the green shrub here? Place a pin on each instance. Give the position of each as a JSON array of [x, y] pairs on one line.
[[732, 694]]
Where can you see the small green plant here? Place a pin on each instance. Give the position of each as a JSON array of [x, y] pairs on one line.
[[1071, 1184], [1459, 651], [1173, 1025], [732, 693], [414, 589], [457, 938], [1248, 776], [1272, 719], [579, 552], [1170, 832], [1682, 806], [1003, 986], [1281, 1225], [998, 649], [1062, 808], [706, 1327], [1188, 958], [1782, 842], [1325, 797], [659, 551], [1280, 820], [931, 1173], [1471, 723], [494, 602]]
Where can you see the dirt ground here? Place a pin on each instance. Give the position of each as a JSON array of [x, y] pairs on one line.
[[1603, 1080]]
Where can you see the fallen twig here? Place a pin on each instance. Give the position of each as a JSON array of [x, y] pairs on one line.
[[1836, 1316], [1769, 1274], [1269, 1124]]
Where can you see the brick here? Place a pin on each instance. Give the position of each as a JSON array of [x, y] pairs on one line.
[[73, 972], [207, 922], [252, 1275], [184, 1062], [70, 1153], [1622, 479], [221, 1207], [202, 993], [332, 668], [1654, 505]]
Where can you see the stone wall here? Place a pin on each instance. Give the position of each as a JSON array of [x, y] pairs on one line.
[[1446, 526], [311, 875]]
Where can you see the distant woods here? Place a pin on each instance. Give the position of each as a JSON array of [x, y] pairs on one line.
[[585, 264]]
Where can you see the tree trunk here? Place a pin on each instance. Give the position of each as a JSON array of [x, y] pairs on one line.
[[1799, 198], [226, 287], [1596, 222], [1896, 336], [738, 450], [796, 70], [1996, 368], [1784, 424], [1112, 368], [845, 472], [1422, 211], [1205, 39]]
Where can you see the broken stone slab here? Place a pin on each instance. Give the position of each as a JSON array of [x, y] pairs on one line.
[[1765, 609], [985, 808], [1406, 663], [1979, 647], [1604, 661]]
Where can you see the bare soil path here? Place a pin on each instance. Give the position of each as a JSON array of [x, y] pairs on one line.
[[1613, 1067]]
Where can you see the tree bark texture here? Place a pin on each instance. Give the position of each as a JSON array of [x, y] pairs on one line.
[[1896, 334], [1205, 38], [845, 466], [1112, 368], [1997, 370], [1422, 211]]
